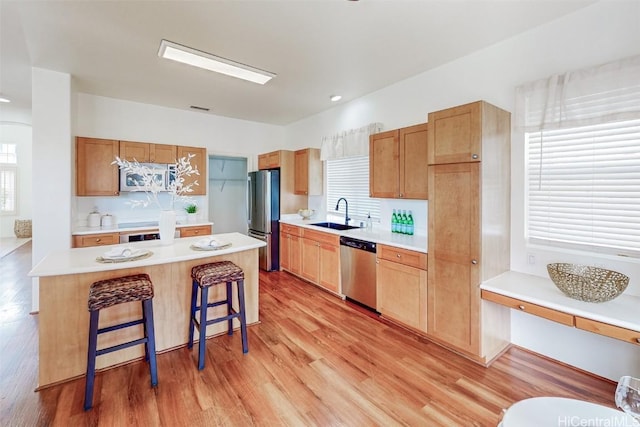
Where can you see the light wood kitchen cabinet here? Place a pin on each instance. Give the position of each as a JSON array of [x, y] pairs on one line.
[[269, 160], [398, 163], [308, 172], [147, 152], [469, 226], [195, 230], [320, 261], [401, 281], [98, 239], [457, 134], [95, 175], [199, 161], [290, 250]]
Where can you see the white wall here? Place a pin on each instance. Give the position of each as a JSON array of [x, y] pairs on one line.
[[52, 151], [19, 133], [599, 33], [101, 117]]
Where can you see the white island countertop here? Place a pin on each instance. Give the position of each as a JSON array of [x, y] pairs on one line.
[[415, 242], [83, 260]]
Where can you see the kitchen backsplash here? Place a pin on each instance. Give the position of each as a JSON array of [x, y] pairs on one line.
[[122, 212]]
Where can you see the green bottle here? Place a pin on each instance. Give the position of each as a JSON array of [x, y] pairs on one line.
[[410, 224], [404, 222], [394, 222]]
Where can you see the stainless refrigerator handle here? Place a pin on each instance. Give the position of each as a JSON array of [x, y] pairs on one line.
[[249, 193]]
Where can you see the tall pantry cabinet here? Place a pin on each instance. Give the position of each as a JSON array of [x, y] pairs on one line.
[[469, 226]]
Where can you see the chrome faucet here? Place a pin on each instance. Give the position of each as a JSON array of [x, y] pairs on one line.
[[346, 210]]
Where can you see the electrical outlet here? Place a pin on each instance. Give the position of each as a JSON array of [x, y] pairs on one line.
[[531, 259]]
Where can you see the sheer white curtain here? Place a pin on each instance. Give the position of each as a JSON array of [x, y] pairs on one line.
[[349, 143], [601, 94]]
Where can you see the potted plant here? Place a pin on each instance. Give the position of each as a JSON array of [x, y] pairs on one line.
[[192, 210]]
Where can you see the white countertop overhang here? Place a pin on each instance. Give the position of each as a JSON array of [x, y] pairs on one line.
[[83, 260]]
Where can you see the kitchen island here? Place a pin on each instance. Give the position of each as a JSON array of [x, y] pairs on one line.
[[66, 275]]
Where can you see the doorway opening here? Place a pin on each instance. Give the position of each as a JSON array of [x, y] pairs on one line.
[[228, 194]]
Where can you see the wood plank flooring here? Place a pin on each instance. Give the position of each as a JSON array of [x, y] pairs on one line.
[[313, 361]]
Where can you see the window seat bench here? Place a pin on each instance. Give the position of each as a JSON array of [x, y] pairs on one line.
[[618, 318]]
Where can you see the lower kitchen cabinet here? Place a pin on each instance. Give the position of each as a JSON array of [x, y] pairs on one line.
[[195, 230], [312, 255], [402, 286], [290, 248], [101, 239]]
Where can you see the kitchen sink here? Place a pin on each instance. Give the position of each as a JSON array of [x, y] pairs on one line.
[[334, 225]]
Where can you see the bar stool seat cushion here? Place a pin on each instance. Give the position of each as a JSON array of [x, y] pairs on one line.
[[217, 272], [106, 293]]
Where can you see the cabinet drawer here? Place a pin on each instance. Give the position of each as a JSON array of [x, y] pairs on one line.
[[319, 236], [200, 230], [527, 307], [96, 240], [608, 330], [403, 256], [290, 229]]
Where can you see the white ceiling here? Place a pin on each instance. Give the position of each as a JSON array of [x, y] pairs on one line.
[[316, 47]]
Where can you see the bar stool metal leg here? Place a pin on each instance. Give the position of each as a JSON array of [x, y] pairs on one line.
[[91, 359], [147, 309], [204, 303], [243, 318], [194, 300], [229, 309]]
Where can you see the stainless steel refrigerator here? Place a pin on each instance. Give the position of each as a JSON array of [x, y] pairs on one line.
[[264, 215]]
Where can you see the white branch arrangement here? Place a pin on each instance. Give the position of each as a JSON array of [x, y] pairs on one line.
[[176, 188]]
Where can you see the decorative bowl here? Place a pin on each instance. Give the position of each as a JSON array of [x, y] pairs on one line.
[[585, 283], [306, 213]]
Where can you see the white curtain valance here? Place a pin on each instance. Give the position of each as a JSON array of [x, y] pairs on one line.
[[605, 93], [349, 143]]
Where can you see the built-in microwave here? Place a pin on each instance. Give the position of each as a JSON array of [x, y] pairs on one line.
[[162, 175]]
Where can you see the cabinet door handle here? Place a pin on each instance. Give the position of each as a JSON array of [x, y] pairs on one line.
[[474, 261], [98, 240], [196, 232], [474, 156], [638, 340], [398, 255], [521, 307]]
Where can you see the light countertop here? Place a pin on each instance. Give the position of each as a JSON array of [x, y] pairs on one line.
[[83, 260], [114, 229], [621, 311], [415, 243]]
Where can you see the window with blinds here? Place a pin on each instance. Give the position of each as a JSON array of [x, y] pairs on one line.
[[584, 187], [349, 178]]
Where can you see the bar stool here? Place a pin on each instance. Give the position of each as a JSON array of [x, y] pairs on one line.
[[107, 293], [204, 276]]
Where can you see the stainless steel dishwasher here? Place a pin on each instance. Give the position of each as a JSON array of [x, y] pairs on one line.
[[358, 267]]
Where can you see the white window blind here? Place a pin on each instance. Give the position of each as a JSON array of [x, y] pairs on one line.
[[584, 187], [349, 178]]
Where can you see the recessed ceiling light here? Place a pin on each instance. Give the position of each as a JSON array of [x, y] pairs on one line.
[[335, 98], [197, 58], [4, 98]]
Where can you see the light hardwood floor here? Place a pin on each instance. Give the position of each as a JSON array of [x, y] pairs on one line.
[[313, 360]]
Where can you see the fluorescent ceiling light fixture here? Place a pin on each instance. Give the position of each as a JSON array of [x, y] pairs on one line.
[[335, 98], [4, 98], [197, 58]]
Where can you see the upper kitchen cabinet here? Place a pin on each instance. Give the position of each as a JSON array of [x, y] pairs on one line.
[[398, 163], [199, 161], [269, 160], [95, 175], [469, 232], [146, 152], [456, 134], [308, 172]]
